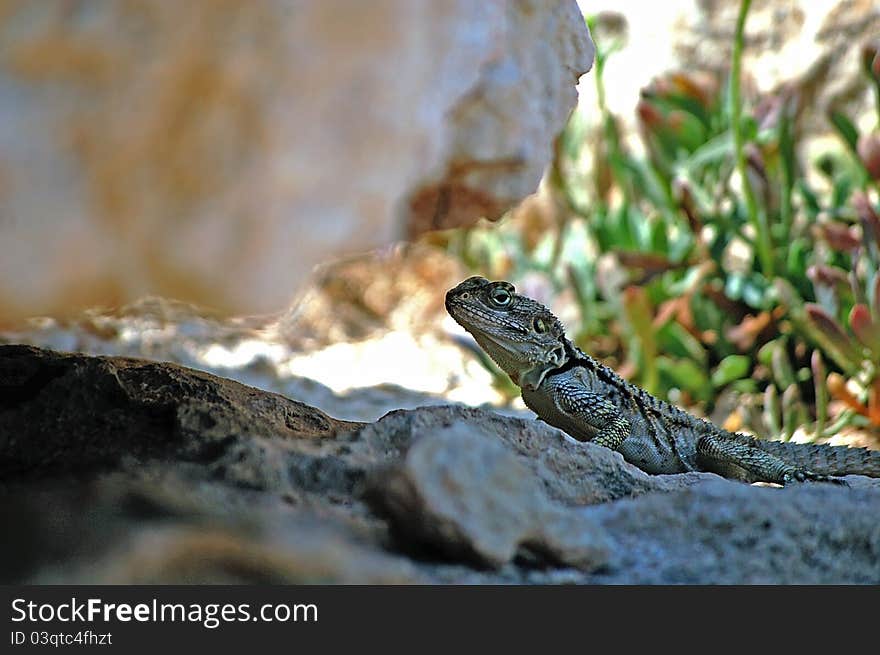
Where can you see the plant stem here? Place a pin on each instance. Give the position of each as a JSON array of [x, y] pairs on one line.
[[787, 158], [820, 384], [756, 217]]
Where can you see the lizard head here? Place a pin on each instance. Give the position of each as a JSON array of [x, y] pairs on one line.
[[520, 335]]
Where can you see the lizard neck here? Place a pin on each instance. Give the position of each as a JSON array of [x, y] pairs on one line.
[[571, 359], [565, 358]]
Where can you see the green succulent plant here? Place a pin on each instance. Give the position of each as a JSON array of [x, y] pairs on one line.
[[719, 260]]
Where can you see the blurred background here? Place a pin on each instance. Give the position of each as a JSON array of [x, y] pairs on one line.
[[282, 193]]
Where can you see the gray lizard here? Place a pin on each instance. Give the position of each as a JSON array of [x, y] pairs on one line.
[[574, 392]]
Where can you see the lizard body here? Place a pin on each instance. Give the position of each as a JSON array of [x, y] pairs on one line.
[[572, 391]]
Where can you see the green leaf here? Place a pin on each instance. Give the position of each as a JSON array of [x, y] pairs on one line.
[[772, 411], [681, 102], [765, 352], [639, 227], [637, 309], [733, 286], [843, 185], [715, 151], [675, 340], [811, 201], [573, 136], [688, 130], [749, 128], [619, 231], [792, 411], [659, 241], [732, 367], [681, 246], [684, 374], [797, 257], [788, 164], [846, 129], [781, 366], [745, 385], [755, 292], [650, 184], [826, 332]]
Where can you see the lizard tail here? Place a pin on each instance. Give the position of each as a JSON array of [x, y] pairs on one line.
[[827, 460]]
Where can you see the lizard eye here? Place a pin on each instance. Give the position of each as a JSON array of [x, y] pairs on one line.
[[539, 325], [500, 297]]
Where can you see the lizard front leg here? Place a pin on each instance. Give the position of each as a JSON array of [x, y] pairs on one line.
[[718, 452], [588, 408]]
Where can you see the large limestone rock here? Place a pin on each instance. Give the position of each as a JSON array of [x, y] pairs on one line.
[[215, 151]]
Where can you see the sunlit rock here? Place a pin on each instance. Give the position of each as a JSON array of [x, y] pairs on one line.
[[214, 152]]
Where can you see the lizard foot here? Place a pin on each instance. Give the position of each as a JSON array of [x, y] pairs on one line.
[[803, 475]]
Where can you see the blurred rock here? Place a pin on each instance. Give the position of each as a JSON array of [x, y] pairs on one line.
[[133, 529], [214, 152], [464, 494], [396, 288]]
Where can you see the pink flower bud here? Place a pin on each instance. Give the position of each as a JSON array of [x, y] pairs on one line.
[[868, 148]]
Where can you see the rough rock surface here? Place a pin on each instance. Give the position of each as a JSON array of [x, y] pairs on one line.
[[120, 470], [214, 152], [571, 472], [116, 408], [725, 533], [464, 493]]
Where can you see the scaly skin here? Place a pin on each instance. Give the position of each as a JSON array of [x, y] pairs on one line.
[[572, 391]]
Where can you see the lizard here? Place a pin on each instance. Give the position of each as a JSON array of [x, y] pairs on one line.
[[590, 402]]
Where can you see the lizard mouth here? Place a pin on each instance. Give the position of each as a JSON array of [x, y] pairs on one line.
[[450, 304]]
